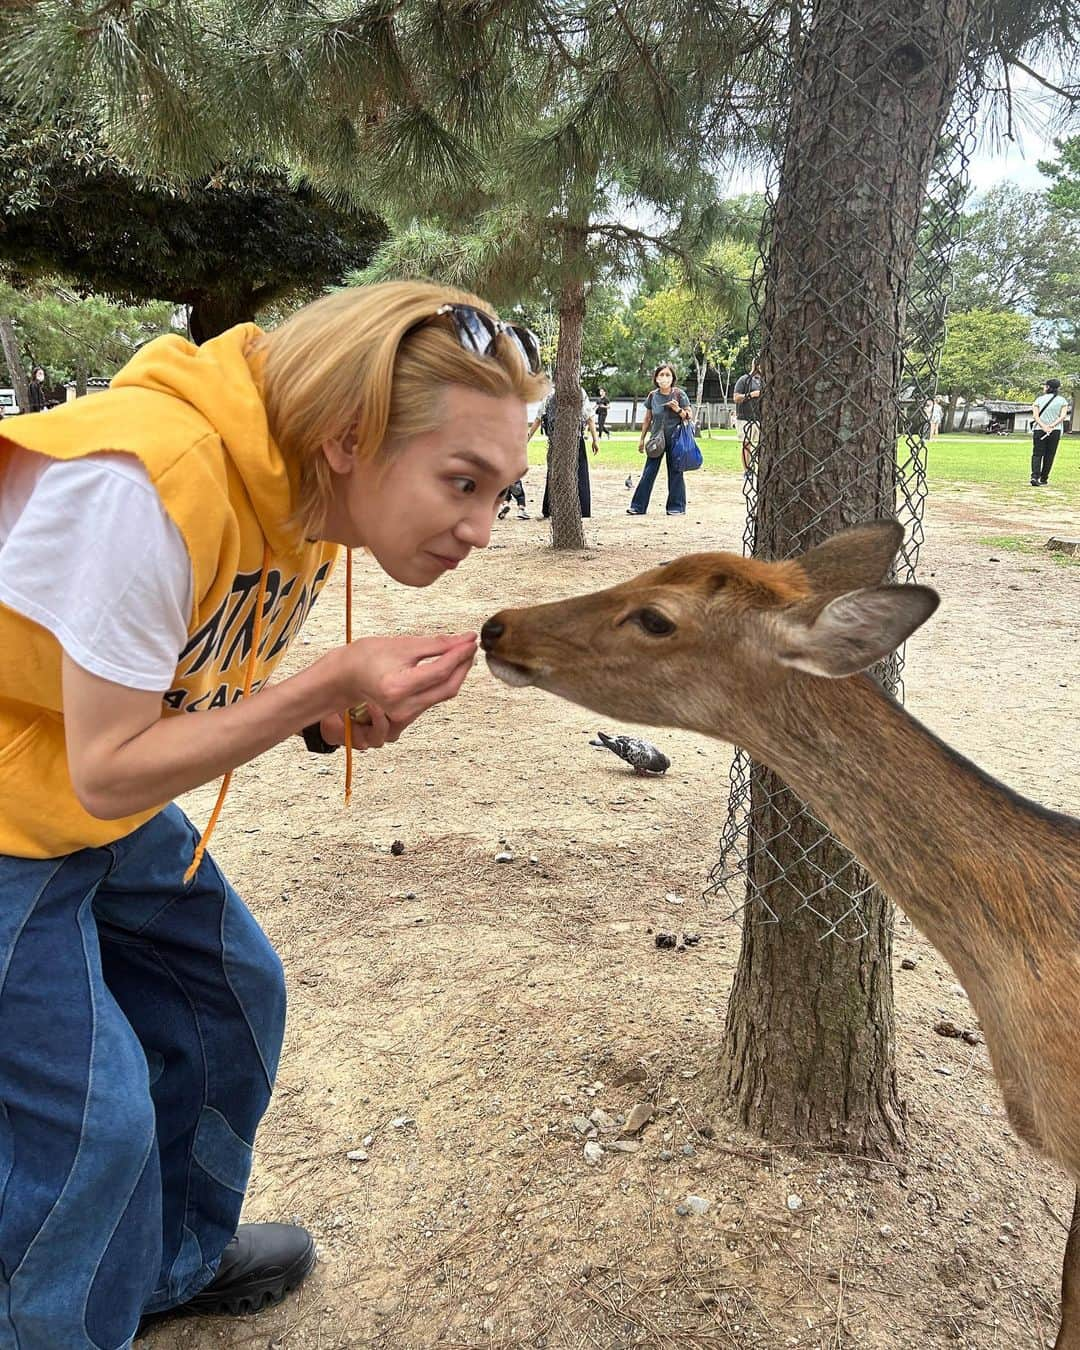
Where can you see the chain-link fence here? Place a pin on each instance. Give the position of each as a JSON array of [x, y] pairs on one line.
[[833, 465]]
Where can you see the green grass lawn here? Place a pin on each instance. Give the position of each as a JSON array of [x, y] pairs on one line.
[[1001, 463]]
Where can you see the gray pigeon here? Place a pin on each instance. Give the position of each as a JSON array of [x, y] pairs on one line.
[[642, 757], [629, 480]]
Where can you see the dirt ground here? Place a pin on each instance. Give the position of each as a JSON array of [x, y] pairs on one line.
[[451, 1016]]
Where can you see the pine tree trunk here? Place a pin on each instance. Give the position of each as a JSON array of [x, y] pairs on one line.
[[948, 422], [212, 312], [809, 1050], [9, 342], [81, 376], [567, 530]]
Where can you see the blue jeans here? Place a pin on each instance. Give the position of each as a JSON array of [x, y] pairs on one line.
[[676, 485], [140, 1027]]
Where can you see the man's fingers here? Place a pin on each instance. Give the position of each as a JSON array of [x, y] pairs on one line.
[[440, 693], [423, 648], [423, 678]]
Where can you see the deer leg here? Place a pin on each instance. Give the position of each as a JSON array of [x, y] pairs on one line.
[[1069, 1331]]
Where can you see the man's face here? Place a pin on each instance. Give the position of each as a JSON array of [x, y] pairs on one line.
[[421, 508]]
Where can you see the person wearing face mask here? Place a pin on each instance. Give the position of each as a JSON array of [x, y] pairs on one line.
[[160, 547], [666, 409]]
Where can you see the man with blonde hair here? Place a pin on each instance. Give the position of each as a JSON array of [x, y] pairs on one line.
[[160, 547]]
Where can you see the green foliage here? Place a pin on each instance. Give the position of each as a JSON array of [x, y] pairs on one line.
[[74, 336], [1065, 171], [230, 243], [1018, 252], [987, 353]]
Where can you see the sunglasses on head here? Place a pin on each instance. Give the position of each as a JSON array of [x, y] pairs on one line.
[[477, 330]]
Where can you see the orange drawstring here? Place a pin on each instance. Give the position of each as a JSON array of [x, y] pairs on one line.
[[348, 711], [249, 679]]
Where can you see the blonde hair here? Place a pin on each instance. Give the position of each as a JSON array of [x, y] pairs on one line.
[[356, 363]]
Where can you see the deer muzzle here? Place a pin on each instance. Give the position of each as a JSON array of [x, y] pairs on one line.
[[497, 642]]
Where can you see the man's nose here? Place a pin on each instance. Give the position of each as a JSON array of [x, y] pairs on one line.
[[475, 529], [491, 632]]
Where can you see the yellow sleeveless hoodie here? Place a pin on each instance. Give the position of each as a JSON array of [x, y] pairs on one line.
[[195, 418]]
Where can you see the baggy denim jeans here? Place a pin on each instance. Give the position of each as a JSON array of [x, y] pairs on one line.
[[676, 480], [140, 1027]]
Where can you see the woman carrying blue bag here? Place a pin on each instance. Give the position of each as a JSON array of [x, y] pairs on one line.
[[667, 410]]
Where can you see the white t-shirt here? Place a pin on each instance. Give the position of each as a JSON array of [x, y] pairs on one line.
[[88, 551]]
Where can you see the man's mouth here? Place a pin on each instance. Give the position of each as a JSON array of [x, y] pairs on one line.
[[448, 563], [517, 676]]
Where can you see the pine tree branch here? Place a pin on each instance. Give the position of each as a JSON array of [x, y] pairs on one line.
[[1071, 93], [662, 85]]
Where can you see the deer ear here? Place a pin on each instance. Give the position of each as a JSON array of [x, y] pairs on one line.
[[855, 630], [858, 557]]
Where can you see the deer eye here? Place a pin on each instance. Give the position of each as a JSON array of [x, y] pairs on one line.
[[654, 623]]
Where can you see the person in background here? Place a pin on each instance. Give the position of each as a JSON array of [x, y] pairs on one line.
[[161, 545], [515, 492], [1049, 411], [545, 418], [747, 394], [36, 391], [933, 413], [666, 409], [603, 404]]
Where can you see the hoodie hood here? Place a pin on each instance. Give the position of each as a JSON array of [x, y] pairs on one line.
[[222, 381]]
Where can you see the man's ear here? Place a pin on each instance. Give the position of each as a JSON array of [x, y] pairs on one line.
[[853, 558], [854, 630], [340, 451]]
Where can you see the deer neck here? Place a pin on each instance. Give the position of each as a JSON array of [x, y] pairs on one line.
[[971, 864]]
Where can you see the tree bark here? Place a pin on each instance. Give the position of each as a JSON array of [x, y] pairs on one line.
[[9, 343], [567, 530], [809, 1053], [213, 312]]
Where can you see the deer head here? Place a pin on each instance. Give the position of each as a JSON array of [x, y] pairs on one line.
[[708, 641]]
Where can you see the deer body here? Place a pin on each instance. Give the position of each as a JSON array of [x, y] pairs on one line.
[[767, 655], [992, 879]]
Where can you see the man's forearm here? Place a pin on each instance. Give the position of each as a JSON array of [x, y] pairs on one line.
[[182, 752]]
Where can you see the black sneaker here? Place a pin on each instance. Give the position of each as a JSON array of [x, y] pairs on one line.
[[261, 1265], [1035, 483], [504, 511]]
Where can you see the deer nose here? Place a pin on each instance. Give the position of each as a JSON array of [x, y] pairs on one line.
[[491, 632]]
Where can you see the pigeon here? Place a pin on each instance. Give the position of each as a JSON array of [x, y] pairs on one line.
[[642, 757], [629, 480]]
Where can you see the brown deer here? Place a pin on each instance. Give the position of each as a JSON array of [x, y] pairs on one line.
[[768, 655]]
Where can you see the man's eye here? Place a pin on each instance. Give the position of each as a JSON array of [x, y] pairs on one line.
[[465, 485]]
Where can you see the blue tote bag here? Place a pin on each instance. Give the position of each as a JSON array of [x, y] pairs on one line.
[[685, 451]]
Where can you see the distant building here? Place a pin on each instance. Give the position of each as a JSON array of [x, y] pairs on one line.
[[94, 385]]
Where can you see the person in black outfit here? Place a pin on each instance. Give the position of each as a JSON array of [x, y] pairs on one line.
[[603, 403], [546, 418], [36, 391]]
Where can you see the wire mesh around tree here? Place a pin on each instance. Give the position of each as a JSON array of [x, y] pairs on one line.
[[768, 830]]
